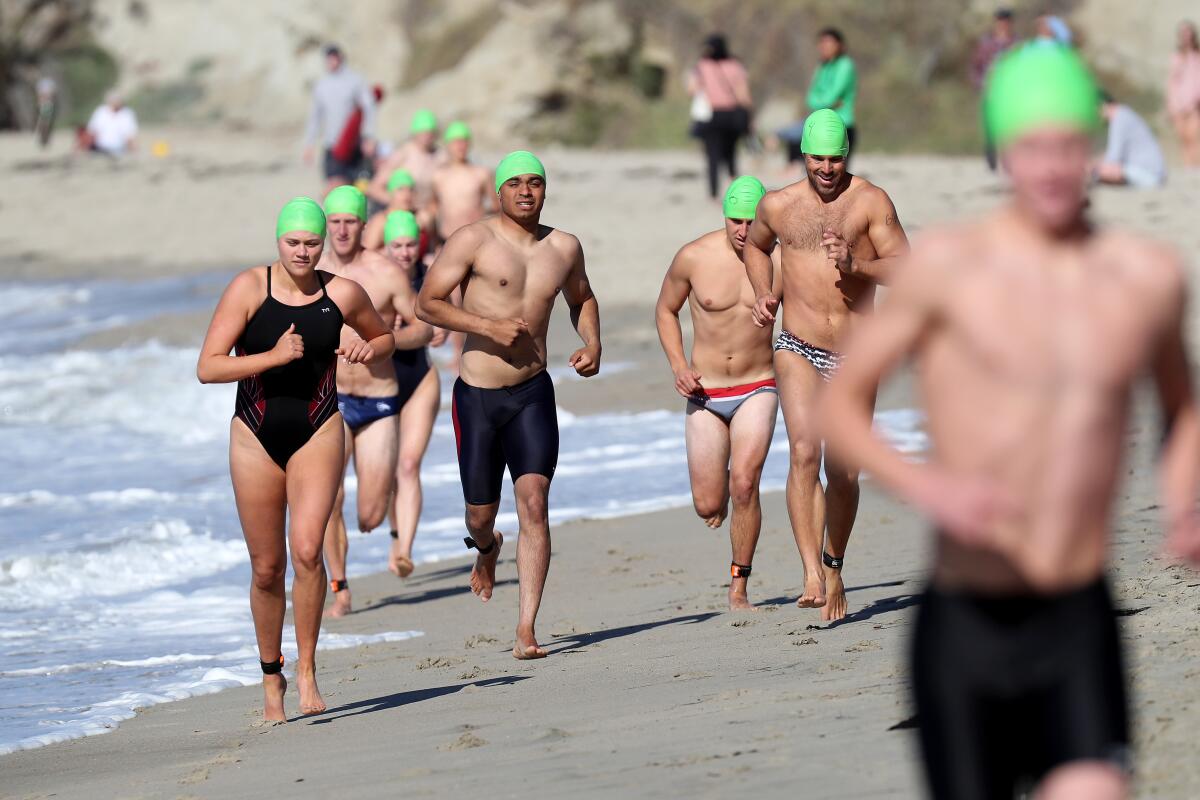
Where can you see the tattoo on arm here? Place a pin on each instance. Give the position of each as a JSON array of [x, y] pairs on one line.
[[890, 219]]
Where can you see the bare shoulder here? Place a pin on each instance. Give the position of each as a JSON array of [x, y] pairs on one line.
[[566, 243], [473, 235], [940, 258], [1153, 266], [776, 200], [873, 197], [249, 281], [693, 251]]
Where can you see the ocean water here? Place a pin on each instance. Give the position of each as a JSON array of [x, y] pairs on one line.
[[123, 575]]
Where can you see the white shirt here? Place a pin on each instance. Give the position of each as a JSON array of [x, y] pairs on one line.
[[113, 130]]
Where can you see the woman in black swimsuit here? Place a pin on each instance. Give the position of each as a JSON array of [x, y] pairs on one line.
[[285, 440], [420, 397]]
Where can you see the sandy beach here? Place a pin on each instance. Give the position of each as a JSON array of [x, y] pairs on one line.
[[652, 688]]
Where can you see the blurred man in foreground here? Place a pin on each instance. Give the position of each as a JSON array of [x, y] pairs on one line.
[[1029, 329]]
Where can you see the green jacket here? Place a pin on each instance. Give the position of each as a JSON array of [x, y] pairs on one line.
[[835, 85]]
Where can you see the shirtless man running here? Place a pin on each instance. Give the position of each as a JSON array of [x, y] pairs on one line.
[[840, 237], [419, 155], [462, 191], [1029, 329], [729, 383], [366, 392], [511, 269]]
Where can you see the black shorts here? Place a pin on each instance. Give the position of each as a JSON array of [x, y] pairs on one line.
[[516, 426], [347, 170], [1008, 688]]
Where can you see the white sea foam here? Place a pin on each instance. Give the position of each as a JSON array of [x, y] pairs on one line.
[[105, 715]]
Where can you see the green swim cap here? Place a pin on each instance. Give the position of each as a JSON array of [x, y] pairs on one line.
[[300, 214], [742, 196], [423, 121], [400, 223], [346, 200], [1036, 86], [457, 130], [825, 134], [518, 162], [400, 177]]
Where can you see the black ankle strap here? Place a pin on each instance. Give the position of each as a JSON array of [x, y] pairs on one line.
[[831, 562], [339, 586], [737, 570], [395, 534], [483, 551], [272, 667]]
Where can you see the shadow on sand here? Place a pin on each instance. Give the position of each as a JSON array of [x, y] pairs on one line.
[[388, 702], [577, 641]]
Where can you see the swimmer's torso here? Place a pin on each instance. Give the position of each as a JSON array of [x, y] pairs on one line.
[[507, 282], [379, 277], [728, 349], [460, 190], [1042, 410], [822, 302]]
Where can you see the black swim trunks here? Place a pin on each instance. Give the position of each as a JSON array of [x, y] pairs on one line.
[[286, 405], [334, 167], [516, 426], [1010, 687]]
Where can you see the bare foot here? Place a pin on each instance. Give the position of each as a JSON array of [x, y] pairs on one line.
[[527, 647], [835, 608], [738, 599], [311, 701], [274, 688], [814, 591], [716, 520], [400, 565], [483, 574], [340, 607]]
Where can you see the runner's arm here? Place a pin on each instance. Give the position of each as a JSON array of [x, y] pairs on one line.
[[887, 238], [233, 311], [674, 293], [759, 268], [876, 348], [409, 331], [452, 267], [377, 342], [585, 314], [1179, 470]]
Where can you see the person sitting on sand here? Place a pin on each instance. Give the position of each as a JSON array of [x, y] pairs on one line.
[[286, 445], [728, 382], [513, 268], [112, 129], [1029, 329], [419, 395], [839, 236], [368, 394], [1132, 156]]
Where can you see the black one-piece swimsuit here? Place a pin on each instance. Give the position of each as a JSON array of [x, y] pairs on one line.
[[286, 405]]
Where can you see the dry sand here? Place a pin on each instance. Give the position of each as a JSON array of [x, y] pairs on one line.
[[652, 688]]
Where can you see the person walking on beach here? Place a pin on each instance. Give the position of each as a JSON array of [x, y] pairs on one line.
[[840, 236], [419, 396], [367, 394], [1183, 93], [835, 82], [337, 96], [728, 382], [286, 447], [721, 81], [419, 155], [511, 268], [1029, 329]]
